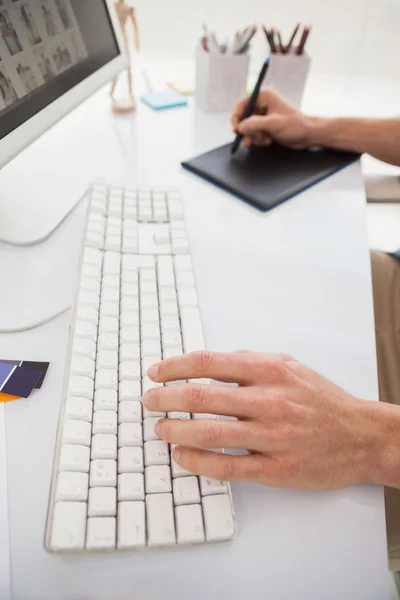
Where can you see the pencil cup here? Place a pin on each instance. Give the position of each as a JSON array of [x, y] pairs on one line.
[[221, 80], [287, 75]]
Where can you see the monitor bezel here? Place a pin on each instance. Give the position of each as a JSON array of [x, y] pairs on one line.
[[21, 137]]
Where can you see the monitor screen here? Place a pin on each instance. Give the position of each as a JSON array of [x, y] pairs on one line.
[[46, 48]]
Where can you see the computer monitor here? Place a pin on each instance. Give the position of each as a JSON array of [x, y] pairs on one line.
[[53, 55]]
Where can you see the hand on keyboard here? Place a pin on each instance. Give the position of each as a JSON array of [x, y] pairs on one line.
[[301, 430]]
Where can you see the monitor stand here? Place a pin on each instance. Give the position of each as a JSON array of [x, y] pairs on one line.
[[39, 188]]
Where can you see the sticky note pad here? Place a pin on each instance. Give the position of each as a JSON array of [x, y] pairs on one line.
[[21, 382], [8, 398], [29, 364], [164, 99]]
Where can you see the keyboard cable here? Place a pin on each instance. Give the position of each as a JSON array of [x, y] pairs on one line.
[[62, 311], [37, 324]]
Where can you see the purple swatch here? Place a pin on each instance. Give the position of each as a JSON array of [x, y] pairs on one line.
[[22, 382], [5, 370]]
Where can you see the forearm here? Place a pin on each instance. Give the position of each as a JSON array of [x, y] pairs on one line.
[[378, 137]]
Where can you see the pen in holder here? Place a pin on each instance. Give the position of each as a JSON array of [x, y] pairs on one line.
[[287, 75], [220, 79]]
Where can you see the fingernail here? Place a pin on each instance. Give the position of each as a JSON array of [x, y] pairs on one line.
[[145, 398], [158, 428], [176, 454], [152, 371]]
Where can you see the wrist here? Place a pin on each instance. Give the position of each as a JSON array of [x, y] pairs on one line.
[[383, 466]]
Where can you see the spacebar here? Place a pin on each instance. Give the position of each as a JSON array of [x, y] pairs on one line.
[[192, 330]]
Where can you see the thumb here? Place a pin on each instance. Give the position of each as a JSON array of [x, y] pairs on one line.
[[258, 124]]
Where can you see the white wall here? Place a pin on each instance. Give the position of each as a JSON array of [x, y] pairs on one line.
[[349, 37]]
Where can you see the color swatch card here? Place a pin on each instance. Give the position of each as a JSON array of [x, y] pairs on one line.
[[19, 378]]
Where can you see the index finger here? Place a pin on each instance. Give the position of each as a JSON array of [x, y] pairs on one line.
[[238, 112], [243, 368]]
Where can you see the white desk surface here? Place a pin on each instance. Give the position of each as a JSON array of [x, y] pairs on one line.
[[294, 280]]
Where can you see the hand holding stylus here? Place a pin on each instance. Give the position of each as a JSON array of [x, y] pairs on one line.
[[273, 120]]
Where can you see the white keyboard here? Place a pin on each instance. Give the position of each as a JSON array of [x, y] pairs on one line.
[[114, 483]]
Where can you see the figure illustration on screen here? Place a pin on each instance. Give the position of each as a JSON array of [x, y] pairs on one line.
[[9, 34], [48, 18], [62, 58], [30, 25], [27, 77], [64, 14], [44, 65], [7, 90]]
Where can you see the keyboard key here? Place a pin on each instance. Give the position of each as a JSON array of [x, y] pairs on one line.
[[170, 323], [130, 390], [165, 271], [106, 400], [184, 416], [186, 490], [210, 486], [130, 303], [192, 330], [130, 370], [177, 470], [158, 479], [151, 348], [130, 486], [109, 309], [130, 460], [129, 352], [74, 458], [84, 347], [147, 383], [79, 408], [129, 319], [81, 365], [87, 313], [218, 518], [189, 524], [131, 525], [183, 263], [101, 532], [149, 429], [187, 297], [160, 520], [109, 293], [104, 445], [91, 271], [103, 473], [130, 434], [149, 301], [184, 279], [172, 339], [88, 299], [81, 386], [108, 341], [105, 421], [72, 486], [77, 432], [69, 526], [108, 325], [92, 257], [203, 416], [102, 502], [86, 330], [106, 379], [130, 335], [107, 359], [152, 413], [169, 308], [111, 264], [156, 453], [149, 316], [130, 412]]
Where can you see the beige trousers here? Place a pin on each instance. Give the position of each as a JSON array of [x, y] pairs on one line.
[[386, 286]]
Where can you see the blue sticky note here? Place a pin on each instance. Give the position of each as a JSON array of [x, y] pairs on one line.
[[5, 370], [164, 99]]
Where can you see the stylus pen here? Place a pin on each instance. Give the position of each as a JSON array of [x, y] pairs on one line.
[[248, 111]]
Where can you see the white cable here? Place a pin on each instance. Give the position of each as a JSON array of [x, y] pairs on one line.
[[38, 323], [38, 241]]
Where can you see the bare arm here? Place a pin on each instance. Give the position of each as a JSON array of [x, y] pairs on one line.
[[378, 137], [274, 120]]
